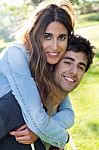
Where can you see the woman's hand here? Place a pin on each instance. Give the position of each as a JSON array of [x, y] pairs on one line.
[[24, 135]]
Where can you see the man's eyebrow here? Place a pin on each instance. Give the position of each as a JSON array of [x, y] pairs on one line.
[[83, 64], [72, 59]]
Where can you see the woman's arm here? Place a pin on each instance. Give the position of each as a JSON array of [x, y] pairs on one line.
[[16, 68], [65, 116]]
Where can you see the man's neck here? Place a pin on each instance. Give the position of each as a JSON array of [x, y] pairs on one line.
[[58, 94], [55, 98]]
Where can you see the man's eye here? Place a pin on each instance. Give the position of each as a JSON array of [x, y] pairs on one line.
[[62, 37], [82, 68], [66, 62], [47, 36]]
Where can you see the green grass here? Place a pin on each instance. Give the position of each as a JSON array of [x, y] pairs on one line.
[[90, 33], [5, 39], [87, 20]]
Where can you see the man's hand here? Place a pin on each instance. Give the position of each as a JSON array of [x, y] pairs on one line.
[[24, 135]]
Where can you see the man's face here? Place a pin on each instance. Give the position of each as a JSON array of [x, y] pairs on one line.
[[70, 70]]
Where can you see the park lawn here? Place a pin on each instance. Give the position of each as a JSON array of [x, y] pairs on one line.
[[90, 33], [87, 20], [4, 43]]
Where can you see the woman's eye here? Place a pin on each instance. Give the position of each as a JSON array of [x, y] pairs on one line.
[[47, 36], [62, 37]]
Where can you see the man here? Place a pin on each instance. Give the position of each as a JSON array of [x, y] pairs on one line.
[[67, 76], [69, 72]]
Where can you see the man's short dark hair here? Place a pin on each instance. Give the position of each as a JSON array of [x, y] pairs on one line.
[[81, 44]]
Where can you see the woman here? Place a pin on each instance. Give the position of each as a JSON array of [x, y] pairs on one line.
[[26, 69]]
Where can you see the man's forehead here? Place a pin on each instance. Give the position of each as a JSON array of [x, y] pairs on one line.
[[80, 57], [73, 54]]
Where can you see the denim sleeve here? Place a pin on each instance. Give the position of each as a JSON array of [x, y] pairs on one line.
[[65, 116], [16, 69]]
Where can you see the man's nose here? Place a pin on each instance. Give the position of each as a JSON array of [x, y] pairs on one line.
[[73, 70]]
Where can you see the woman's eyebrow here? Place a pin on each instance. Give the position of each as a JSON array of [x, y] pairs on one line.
[[47, 33], [65, 34]]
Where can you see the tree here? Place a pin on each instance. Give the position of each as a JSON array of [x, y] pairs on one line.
[[77, 2], [36, 2]]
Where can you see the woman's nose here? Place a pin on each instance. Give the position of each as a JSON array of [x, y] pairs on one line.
[[55, 44]]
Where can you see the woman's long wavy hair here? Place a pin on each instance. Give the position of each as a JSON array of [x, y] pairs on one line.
[[39, 67]]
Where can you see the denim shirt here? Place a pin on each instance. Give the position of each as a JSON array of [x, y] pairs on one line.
[[15, 75]]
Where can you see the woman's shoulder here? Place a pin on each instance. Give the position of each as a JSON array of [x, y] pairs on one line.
[[17, 49]]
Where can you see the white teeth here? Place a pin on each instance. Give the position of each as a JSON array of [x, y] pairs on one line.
[[54, 54], [69, 79]]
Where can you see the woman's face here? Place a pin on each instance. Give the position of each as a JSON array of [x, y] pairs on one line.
[[54, 42]]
